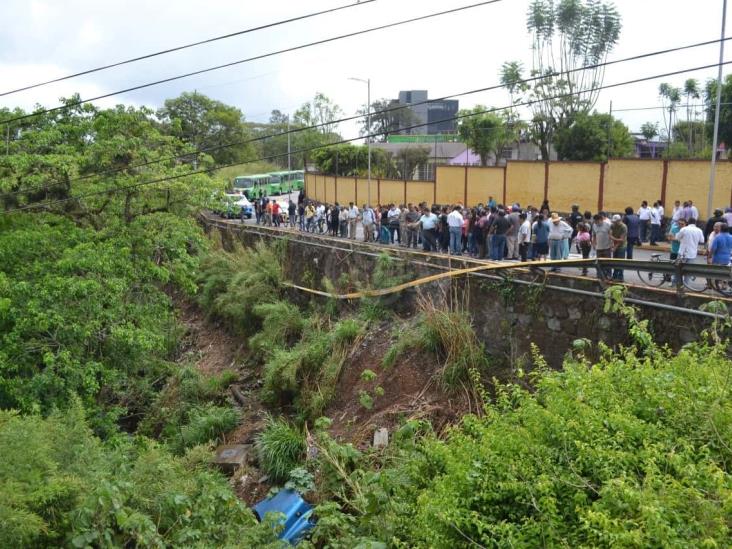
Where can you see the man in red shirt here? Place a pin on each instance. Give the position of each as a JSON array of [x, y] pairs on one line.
[[275, 213]]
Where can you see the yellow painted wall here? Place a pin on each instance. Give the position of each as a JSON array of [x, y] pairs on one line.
[[362, 184], [420, 191], [690, 181], [484, 182], [330, 194], [630, 182], [524, 183], [572, 183], [392, 192], [450, 185], [346, 189]]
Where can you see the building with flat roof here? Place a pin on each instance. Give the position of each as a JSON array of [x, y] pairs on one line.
[[434, 115]]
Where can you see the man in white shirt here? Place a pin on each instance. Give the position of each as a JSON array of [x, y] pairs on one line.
[[656, 217], [678, 211], [690, 238], [524, 236], [367, 219], [455, 224], [694, 211], [428, 221], [352, 217], [644, 214]]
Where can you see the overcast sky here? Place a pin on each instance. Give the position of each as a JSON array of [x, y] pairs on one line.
[[43, 39]]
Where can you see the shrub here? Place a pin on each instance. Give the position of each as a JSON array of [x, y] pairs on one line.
[[207, 424], [280, 447], [307, 373], [282, 324]]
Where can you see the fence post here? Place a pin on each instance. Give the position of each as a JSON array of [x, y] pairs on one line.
[[465, 191], [664, 181], [601, 190], [546, 180], [505, 182]]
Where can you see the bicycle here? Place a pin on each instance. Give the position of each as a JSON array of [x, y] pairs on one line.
[[693, 283]]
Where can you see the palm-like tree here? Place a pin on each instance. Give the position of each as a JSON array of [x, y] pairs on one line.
[[691, 91], [670, 97]]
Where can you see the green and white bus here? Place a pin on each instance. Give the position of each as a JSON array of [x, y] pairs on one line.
[[269, 184], [290, 181], [257, 185]]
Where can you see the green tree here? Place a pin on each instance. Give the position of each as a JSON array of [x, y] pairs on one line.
[[408, 159], [352, 160], [486, 133], [670, 99], [205, 123], [566, 36], [725, 115], [691, 92], [649, 130], [387, 117], [589, 136], [321, 111]]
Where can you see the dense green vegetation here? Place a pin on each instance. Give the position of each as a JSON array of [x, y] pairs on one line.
[[106, 425]]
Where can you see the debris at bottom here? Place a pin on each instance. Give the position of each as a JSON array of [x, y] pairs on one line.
[[297, 514]]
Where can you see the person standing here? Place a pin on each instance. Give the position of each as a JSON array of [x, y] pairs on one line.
[[368, 220], [491, 203], [718, 217], [455, 226], [428, 223], [301, 215], [512, 234], [601, 241], [292, 213], [584, 242], [574, 219], [412, 221], [352, 218], [690, 238], [499, 229], [656, 218], [721, 247], [540, 238], [275, 213], [693, 211], [677, 212], [676, 226], [559, 231], [402, 224], [524, 237], [393, 221], [632, 222], [644, 214], [619, 238], [343, 221]]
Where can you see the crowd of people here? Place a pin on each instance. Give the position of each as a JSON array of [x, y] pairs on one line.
[[497, 232]]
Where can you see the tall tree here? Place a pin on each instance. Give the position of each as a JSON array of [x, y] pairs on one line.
[[206, 123], [725, 115], [485, 133], [649, 130], [388, 116], [670, 99], [691, 92], [596, 137], [566, 36], [408, 159], [321, 110]]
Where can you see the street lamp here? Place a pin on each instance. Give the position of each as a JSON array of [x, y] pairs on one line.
[[713, 168], [368, 126]]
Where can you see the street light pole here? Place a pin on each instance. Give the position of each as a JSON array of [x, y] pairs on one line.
[[367, 81], [289, 163], [713, 170]]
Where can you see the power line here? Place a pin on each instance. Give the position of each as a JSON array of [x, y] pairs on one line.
[[344, 141], [249, 59], [185, 46], [657, 107], [355, 117]]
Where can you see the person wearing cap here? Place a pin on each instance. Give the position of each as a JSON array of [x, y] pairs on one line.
[[559, 231], [619, 238]]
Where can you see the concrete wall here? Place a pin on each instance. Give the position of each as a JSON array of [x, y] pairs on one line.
[[610, 186], [507, 316]]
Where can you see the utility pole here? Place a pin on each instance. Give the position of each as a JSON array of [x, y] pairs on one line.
[[610, 132], [367, 81], [289, 163], [713, 168]]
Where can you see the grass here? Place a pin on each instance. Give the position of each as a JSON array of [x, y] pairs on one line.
[[280, 447], [282, 325], [307, 373], [450, 336]]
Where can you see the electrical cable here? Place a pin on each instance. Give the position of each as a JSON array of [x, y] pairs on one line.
[[383, 111], [185, 46], [249, 59], [343, 141]]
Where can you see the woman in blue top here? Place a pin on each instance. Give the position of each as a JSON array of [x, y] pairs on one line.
[[540, 230], [719, 253]]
